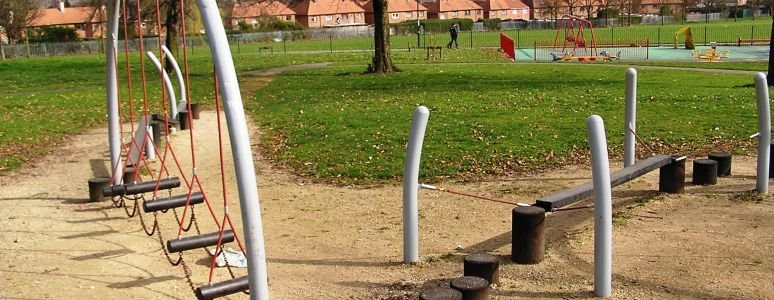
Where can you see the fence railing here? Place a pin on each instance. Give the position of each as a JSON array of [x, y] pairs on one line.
[[360, 38]]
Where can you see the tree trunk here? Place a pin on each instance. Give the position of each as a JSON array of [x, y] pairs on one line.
[[382, 60], [171, 26], [770, 75]]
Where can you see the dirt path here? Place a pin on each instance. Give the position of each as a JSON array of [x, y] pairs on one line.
[[712, 242]]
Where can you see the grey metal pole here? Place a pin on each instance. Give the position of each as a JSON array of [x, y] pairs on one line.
[[180, 80], [167, 83], [411, 185], [764, 128], [240, 148], [150, 152], [630, 121], [603, 208], [114, 129]]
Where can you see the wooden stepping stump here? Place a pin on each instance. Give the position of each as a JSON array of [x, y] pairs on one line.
[[671, 178], [441, 293], [471, 287], [705, 172], [482, 265], [528, 234], [724, 162]]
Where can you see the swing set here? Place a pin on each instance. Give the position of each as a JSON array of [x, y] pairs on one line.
[[574, 45]]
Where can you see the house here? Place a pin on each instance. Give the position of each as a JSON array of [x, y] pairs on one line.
[[329, 13], [454, 9], [505, 9], [89, 22], [397, 10], [252, 12]]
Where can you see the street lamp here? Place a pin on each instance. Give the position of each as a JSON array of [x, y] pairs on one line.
[[419, 31]]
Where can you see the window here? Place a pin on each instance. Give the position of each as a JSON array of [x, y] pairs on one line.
[[409, 14], [344, 16], [314, 19], [329, 18], [503, 12], [394, 16], [421, 14], [454, 13], [357, 16], [288, 18], [515, 11], [467, 12], [79, 26]]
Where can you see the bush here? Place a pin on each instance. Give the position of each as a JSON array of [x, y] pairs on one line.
[[610, 12], [441, 26], [54, 34]]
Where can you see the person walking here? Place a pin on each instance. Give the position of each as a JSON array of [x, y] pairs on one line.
[[453, 31]]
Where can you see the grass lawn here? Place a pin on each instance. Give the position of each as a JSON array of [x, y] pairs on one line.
[[337, 124]]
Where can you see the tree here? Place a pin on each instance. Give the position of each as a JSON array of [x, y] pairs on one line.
[[16, 16], [382, 60], [571, 5], [588, 6], [608, 5]]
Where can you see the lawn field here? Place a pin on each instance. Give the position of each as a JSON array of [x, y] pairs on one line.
[[487, 117]]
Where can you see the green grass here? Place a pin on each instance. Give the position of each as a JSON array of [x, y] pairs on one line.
[[486, 118], [336, 124]]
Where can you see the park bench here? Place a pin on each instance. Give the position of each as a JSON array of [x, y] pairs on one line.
[[741, 41], [431, 52], [266, 48]]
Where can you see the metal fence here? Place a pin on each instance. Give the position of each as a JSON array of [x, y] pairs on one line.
[[360, 38]]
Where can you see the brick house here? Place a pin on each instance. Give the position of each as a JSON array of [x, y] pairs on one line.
[[89, 22], [329, 13], [454, 9], [505, 9], [397, 10], [252, 12]]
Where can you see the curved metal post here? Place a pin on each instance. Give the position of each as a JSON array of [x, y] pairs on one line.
[[111, 72], [178, 73], [630, 122], [603, 208], [240, 149], [411, 185], [167, 84], [764, 128]]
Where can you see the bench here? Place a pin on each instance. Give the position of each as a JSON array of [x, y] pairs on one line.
[[741, 41], [267, 48], [586, 190], [431, 51]]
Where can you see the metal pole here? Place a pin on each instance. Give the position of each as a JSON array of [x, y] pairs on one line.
[[419, 31], [180, 81], [603, 208], [764, 128], [411, 185], [114, 130], [167, 84], [240, 148], [630, 121]]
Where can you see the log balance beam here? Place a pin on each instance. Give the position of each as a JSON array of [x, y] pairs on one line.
[[586, 190]]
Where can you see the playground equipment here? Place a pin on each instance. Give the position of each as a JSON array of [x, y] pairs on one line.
[[507, 45], [710, 55], [128, 159], [688, 38], [573, 30]]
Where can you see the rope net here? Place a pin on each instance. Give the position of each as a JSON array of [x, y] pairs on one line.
[[138, 97]]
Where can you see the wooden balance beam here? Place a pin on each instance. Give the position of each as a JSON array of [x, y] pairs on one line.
[[586, 190]]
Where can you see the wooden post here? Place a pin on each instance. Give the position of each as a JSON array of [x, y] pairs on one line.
[[705, 171], [528, 234], [482, 265], [671, 178], [724, 162], [471, 287]]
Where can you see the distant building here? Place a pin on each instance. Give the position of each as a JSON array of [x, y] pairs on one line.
[[329, 13], [252, 12], [505, 9], [454, 9], [88, 22], [397, 11]]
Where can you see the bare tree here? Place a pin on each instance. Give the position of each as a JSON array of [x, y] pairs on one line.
[[589, 6], [382, 60], [551, 8], [571, 5], [16, 16], [607, 4]]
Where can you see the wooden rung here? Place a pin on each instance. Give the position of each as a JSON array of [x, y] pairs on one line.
[[140, 187], [172, 202], [222, 288], [199, 241]]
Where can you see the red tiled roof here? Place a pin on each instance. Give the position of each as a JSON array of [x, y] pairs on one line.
[[327, 7], [395, 6], [451, 5], [255, 9], [502, 4], [70, 15]]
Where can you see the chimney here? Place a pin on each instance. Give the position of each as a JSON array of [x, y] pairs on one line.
[[61, 6]]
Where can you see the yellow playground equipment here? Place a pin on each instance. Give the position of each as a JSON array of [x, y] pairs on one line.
[[688, 38]]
